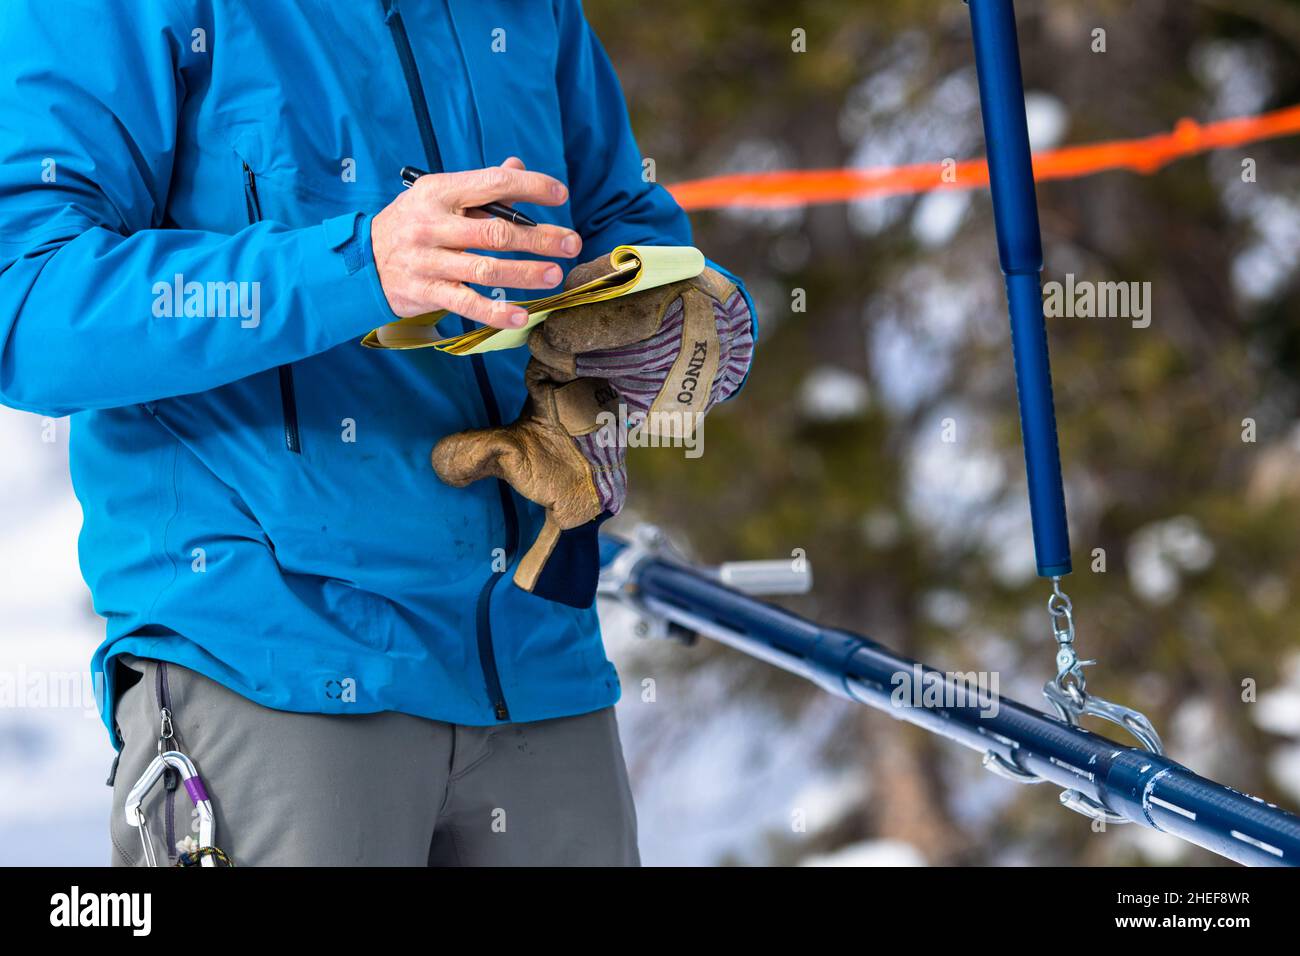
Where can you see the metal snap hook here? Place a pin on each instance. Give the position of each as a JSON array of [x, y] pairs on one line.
[[166, 734], [1068, 695]]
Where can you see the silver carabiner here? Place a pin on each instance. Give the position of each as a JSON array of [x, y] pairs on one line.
[[178, 761]]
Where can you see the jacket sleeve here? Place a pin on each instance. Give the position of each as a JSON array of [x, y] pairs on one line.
[[88, 127], [612, 203]]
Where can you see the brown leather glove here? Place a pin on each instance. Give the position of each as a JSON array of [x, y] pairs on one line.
[[666, 354], [559, 453], [671, 352]]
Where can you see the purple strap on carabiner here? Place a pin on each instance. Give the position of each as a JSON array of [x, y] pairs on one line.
[[194, 787]]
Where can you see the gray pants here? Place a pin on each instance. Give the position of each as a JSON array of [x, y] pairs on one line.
[[388, 789]]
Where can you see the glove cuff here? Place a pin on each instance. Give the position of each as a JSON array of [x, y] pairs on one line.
[[563, 566]]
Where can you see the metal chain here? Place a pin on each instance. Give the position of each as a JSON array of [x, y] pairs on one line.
[[1069, 669]]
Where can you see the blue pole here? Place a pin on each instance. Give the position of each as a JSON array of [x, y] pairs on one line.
[[1020, 250], [1145, 789]]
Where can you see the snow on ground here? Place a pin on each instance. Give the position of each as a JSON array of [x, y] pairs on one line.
[[870, 853]]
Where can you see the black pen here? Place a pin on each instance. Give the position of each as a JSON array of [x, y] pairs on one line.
[[499, 209]]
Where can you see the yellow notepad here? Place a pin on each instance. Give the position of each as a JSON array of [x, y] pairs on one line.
[[633, 269]]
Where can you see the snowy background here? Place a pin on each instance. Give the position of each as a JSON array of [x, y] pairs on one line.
[[54, 753]]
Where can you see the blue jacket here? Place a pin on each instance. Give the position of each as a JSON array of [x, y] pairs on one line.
[[258, 499]]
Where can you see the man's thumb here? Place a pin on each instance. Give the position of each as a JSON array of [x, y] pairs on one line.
[[468, 456]]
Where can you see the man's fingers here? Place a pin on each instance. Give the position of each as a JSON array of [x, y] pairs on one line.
[[506, 273], [513, 162], [475, 187], [497, 235], [420, 238], [458, 298]]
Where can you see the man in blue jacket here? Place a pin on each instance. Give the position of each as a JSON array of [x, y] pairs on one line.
[[197, 225]]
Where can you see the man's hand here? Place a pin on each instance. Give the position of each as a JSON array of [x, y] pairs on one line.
[[419, 242]]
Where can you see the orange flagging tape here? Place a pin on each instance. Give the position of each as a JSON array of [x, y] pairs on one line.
[[1146, 156]]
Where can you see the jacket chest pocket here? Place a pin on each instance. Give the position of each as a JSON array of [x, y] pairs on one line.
[[284, 374]]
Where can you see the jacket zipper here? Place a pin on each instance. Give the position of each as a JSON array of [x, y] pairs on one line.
[[433, 157], [288, 398], [171, 778]]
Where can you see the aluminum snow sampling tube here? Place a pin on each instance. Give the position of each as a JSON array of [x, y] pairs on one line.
[[1146, 789], [1020, 250]]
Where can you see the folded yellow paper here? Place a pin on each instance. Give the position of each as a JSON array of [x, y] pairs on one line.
[[633, 269]]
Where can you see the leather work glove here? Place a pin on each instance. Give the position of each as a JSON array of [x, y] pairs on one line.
[[672, 352], [560, 454], [668, 353]]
